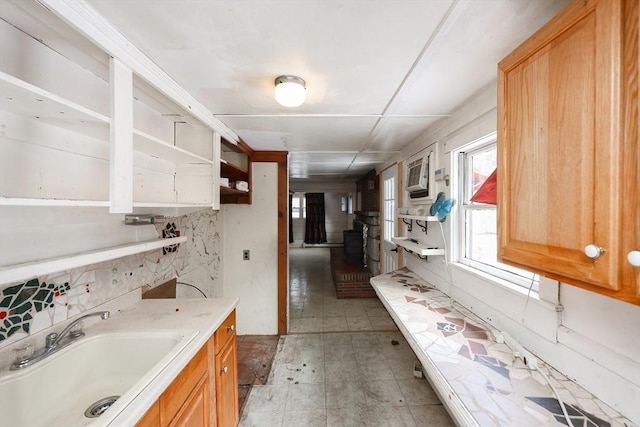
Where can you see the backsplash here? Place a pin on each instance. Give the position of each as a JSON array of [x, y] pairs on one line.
[[29, 307]]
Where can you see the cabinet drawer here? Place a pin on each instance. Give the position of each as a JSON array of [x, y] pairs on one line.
[[225, 332], [177, 393]]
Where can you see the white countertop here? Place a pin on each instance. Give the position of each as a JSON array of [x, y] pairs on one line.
[[203, 315], [478, 379]]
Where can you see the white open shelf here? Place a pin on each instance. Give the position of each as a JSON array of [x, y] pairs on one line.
[[27, 100], [416, 248], [19, 201], [26, 271], [418, 217], [170, 205], [156, 147]]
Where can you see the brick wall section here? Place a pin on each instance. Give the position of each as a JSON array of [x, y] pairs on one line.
[[351, 281], [370, 196]]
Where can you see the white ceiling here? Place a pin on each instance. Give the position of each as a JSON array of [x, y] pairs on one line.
[[378, 73]]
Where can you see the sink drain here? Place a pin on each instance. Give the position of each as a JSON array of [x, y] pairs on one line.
[[98, 408]]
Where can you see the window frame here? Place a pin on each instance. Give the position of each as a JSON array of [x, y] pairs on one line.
[[302, 206], [463, 189]]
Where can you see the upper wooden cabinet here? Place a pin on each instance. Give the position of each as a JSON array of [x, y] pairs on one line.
[[568, 148]]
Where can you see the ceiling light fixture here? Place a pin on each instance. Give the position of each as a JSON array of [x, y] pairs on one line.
[[290, 91]]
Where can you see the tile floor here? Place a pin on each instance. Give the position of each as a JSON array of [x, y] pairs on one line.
[[355, 369], [313, 304]]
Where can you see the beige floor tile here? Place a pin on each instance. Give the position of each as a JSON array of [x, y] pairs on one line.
[[392, 416], [314, 418], [377, 312], [417, 391], [339, 352], [297, 372], [383, 323], [304, 397], [261, 419], [383, 392], [267, 398], [341, 338], [335, 324], [431, 415], [344, 394], [342, 370], [359, 324], [310, 324], [375, 371], [348, 417]]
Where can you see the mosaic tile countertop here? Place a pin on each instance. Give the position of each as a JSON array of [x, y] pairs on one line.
[[479, 379]]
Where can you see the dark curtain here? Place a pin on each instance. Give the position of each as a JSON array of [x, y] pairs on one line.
[[315, 231], [290, 218]]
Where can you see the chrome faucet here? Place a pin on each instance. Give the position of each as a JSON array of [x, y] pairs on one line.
[[55, 342]]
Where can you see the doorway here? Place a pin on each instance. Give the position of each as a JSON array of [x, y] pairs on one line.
[[389, 251]]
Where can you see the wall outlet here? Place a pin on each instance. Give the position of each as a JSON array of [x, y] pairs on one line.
[[246, 255]]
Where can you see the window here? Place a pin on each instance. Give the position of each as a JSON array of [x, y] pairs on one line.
[[477, 231], [389, 206], [298, 206]]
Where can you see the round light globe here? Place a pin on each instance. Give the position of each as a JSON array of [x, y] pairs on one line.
[[290, 91]]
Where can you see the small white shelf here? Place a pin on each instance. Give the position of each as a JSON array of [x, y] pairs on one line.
[[416, 248], [418, 217], [26, 271], [156, 147], [170, 205], [18, 201], [27, 100]]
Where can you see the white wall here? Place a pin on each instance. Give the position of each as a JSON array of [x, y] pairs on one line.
[[594, 341], [254, 227], [336, 221]]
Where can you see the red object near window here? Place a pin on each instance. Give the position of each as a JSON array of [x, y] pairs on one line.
[[487, 193]]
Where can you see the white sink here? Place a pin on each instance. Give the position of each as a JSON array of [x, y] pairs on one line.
[[58, 390]]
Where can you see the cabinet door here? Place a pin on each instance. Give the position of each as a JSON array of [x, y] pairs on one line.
[[560, 147], [631, 159], [195, 411], [227, 385]]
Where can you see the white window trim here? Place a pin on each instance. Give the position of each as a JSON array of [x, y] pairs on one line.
[[489, 273]]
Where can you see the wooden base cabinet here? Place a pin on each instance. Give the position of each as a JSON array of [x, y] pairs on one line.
[[226, 377], [205, 393], [187, 400], [568, 149]]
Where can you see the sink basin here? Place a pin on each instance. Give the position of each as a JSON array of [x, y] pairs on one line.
[[58, 390]]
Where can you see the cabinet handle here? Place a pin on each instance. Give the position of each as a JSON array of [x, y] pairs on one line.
[[634, 258], [231, 328], [224, 370], [593, 251]]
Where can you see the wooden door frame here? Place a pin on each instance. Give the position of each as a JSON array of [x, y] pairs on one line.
[[280, 157]]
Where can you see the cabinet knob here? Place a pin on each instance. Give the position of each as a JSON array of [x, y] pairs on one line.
[[593, 251], [634, 258], [224, 370], [231, 328]]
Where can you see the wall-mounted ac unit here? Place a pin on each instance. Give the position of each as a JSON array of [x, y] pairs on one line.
[[419, 178]]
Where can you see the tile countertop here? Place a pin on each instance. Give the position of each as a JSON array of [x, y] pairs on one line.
[[477, 379], [205, 315]]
